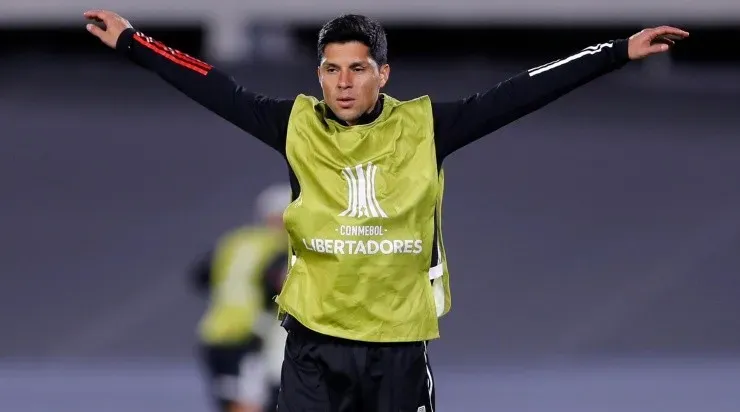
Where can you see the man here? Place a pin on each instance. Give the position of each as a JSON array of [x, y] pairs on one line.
[[368, 276], [238, 337]]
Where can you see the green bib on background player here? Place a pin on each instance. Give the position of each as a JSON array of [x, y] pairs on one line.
[[237, 301], [362, 230]]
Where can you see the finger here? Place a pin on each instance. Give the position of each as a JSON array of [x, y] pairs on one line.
[[658, 48], [669, 30], [98, 14], [664, 39], [95, 30], [91, 14], [98, 23]]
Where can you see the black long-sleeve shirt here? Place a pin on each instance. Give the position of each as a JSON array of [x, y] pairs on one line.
[[456, 123]]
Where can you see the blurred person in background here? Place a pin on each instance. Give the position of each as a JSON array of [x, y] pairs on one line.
[[368, 274], [241, 342]]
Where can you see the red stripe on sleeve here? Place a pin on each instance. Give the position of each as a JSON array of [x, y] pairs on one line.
[[173, 55], [190, 59]]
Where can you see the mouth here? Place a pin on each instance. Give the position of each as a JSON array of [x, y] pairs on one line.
[[345, 102]]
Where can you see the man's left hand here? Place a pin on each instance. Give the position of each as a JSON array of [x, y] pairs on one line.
[[653, 41]]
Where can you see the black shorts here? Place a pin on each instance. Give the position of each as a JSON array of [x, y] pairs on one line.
[[326, 374], [223, 371]]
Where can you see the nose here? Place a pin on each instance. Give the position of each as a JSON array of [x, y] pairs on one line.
[[345, 79]]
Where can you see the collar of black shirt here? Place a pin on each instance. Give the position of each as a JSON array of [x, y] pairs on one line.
[[366, 118]]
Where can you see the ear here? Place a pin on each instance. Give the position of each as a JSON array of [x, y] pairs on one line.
[[318, 73], [385, 72]]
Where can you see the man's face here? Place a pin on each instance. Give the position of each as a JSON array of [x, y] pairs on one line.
[[350, 79]]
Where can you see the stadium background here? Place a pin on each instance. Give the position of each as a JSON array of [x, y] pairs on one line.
[[593, 244]]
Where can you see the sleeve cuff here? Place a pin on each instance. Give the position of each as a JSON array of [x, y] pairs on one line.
[[621, 50], [125, 40]]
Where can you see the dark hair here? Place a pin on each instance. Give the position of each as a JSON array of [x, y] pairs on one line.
[[353, 27]]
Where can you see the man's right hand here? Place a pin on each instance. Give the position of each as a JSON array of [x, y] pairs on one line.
[[114, 26]]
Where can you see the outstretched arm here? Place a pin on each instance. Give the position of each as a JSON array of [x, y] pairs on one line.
[[263, 117], [199, 274], [460, 123]]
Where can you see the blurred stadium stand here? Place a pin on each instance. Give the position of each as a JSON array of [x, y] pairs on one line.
[[234, 30], [597, 272]]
